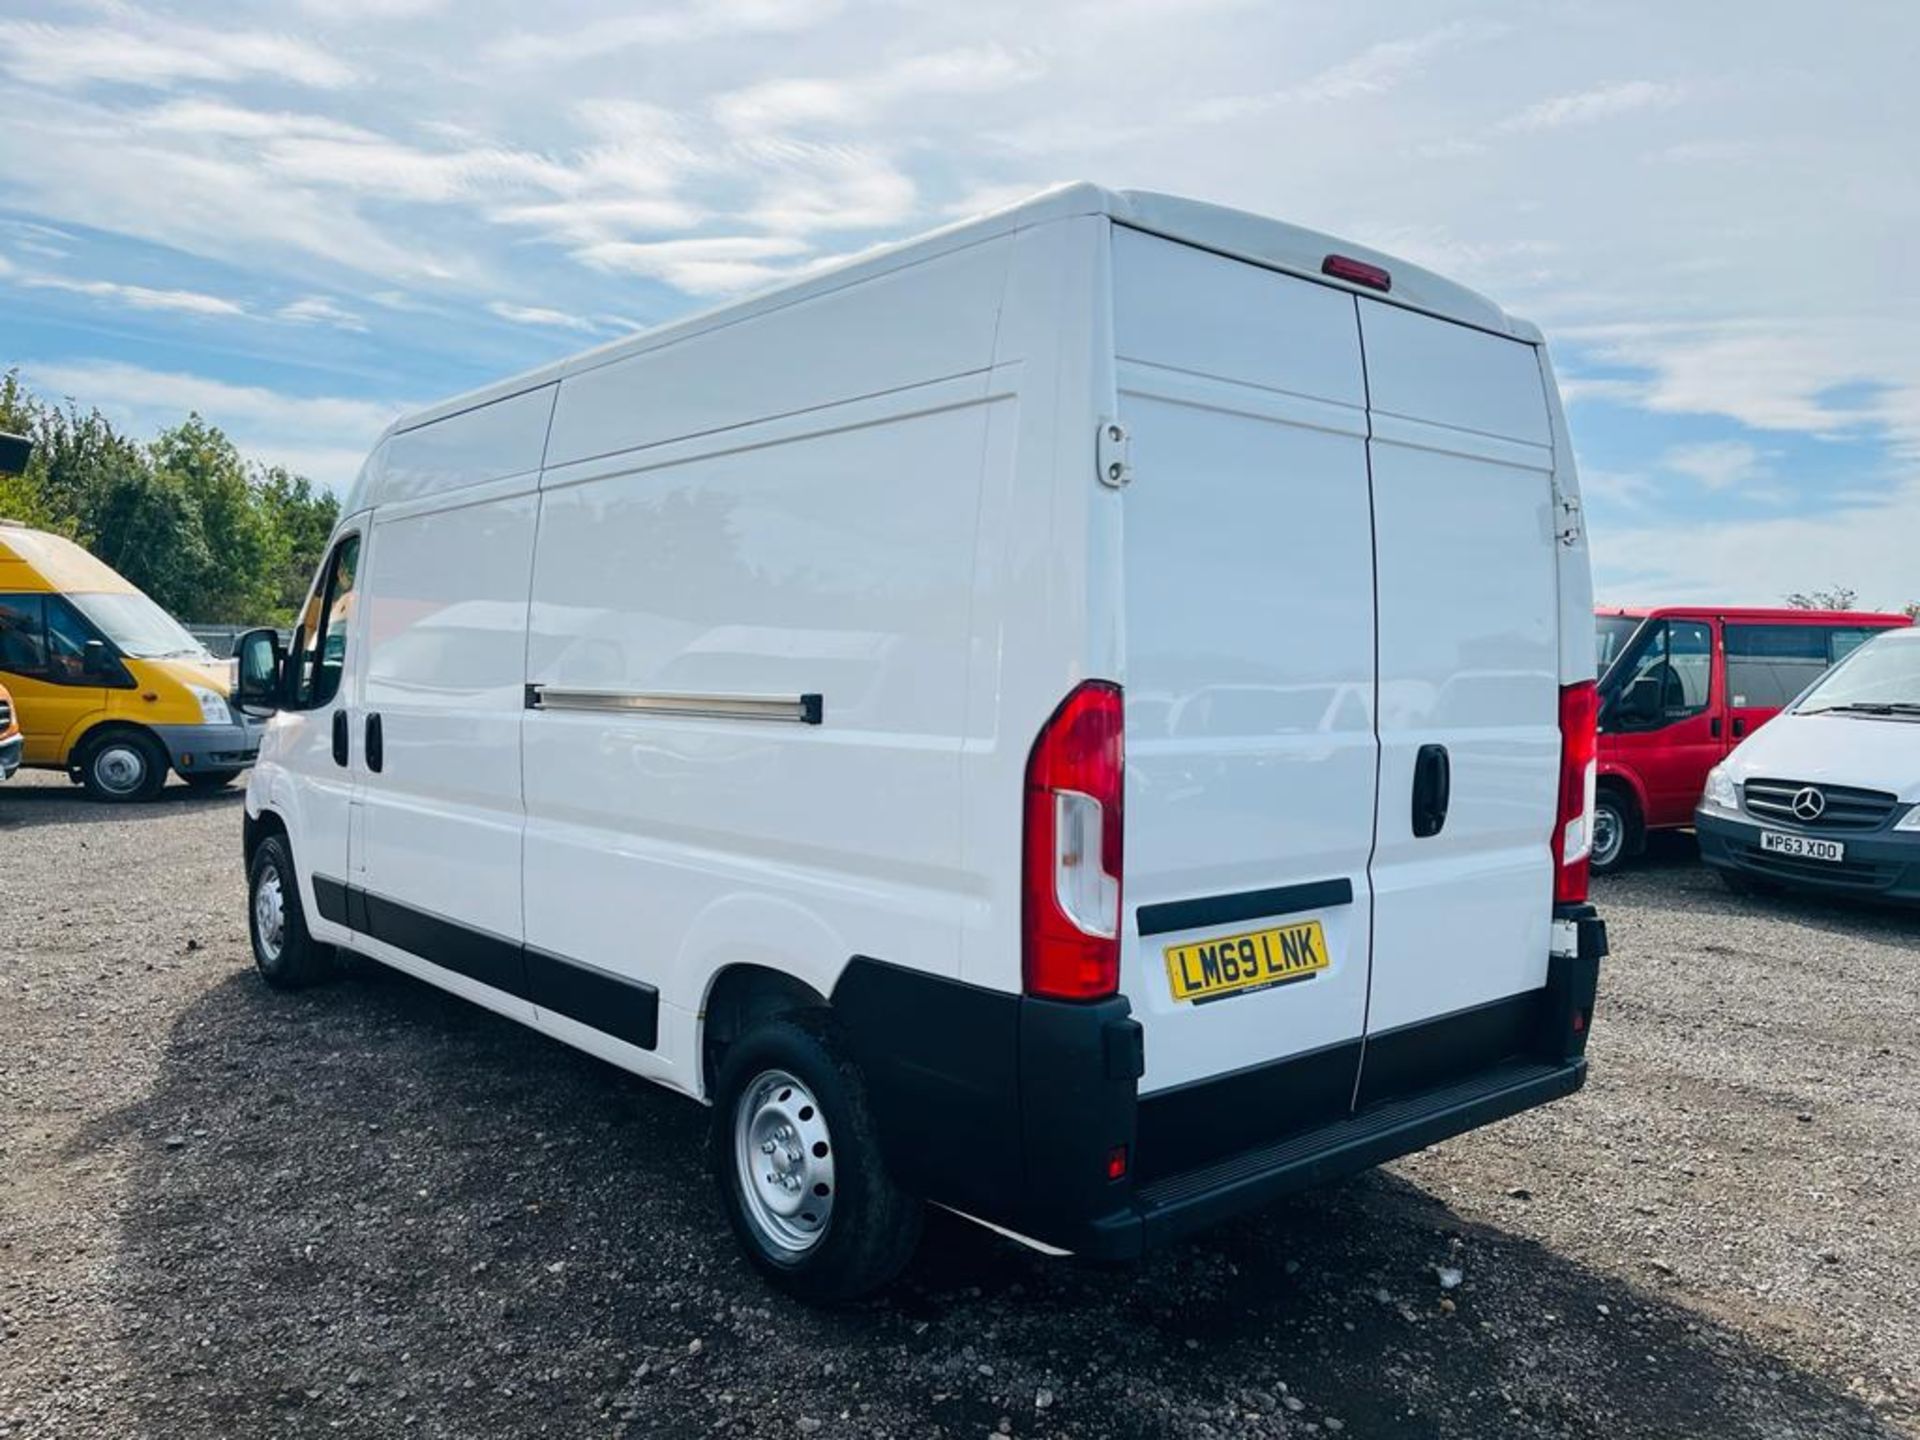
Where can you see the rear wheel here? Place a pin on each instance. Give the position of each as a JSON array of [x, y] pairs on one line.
[[1616, 831], [287, 957], [123, 765], [799, 1168]]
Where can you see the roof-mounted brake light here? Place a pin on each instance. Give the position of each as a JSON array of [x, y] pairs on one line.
[[1356, 272]]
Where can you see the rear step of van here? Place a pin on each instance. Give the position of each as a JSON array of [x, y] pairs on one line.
[[1191, 1199]]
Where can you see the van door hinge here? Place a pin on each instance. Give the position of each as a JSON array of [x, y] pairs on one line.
[[1566, 514], [1113, 451]]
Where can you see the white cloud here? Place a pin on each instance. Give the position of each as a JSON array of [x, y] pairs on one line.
[[1718, 464], [1585, 106], [540, 315], [714, 265], [667, 24], [140, 297], [1867, 544], [372, 9], [157, 54], [859, 98], [319, 310], [1378, 68], [325, 437]]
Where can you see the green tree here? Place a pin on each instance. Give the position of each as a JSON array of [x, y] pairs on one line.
[[304, 518], [241, 553]]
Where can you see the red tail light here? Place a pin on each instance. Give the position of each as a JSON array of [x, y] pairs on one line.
[[1070, 922], [1572, 841]]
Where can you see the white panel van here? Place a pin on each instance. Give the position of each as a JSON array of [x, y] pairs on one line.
[[1085, 719]]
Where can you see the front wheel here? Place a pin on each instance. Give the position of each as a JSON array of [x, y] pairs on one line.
[[799, 1168], [287, 957], [123, 765]]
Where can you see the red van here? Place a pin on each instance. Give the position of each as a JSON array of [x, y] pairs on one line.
[[1681, 686]]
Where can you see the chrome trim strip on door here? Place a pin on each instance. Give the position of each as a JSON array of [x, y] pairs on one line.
[[800, 709]]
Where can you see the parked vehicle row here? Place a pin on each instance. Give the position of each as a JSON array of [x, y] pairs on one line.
[[1681, 686], [105, 684], [923, 712]]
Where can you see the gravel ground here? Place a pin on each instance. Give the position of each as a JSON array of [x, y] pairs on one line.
[[374, 1210]]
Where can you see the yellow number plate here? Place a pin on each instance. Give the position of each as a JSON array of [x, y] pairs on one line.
[[1232, 963]]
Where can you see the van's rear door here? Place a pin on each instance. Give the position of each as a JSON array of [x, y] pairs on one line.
[[1248, 592], [1464, 527]]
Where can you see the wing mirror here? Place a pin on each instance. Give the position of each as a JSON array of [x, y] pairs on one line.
[[259, 672]]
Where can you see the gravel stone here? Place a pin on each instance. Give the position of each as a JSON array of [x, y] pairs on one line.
[[374, 1176]]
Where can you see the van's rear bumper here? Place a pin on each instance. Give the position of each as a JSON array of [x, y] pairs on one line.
[[1011, 1109]]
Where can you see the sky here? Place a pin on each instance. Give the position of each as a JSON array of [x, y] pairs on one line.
[[303, 217]]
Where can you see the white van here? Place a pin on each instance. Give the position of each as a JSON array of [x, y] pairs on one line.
[[743, 703], [1827, 796]]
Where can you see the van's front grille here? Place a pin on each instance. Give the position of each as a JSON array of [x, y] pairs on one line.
[[6, 714], [1840, 807]]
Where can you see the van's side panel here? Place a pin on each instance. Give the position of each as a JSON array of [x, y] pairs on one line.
[[1469, 625], [445, 595], [1249, 669], [829, 553]]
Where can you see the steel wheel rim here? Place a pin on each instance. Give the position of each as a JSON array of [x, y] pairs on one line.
[[269, 915], [783, 1162], [1608, 833], [120, 769]]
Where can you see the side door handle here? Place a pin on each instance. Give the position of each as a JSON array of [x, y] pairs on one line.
[[376, 743], [340, 736], [1713, 727], [1739, 726], [1432, 790]]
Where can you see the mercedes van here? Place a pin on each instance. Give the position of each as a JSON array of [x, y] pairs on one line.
[[1085, 719], [106, 685], [1827, 797], [1681, 686]]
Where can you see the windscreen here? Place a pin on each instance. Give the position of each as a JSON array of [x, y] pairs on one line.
[[1881, 675], [137, 626]]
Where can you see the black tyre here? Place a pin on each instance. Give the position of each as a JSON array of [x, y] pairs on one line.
[[799, 1168], [1616, 832], [123, 764], [211, 779], [287, 957]]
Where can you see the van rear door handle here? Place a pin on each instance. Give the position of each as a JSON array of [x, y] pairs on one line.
[[1432, 790], [1739, 726], [376, 743], [340, 737]]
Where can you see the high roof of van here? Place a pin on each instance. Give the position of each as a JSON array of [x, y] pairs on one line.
[[1756, 612], [1239, 233], [34, 560]]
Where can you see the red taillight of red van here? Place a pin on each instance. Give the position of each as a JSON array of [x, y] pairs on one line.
[[1070, 917]]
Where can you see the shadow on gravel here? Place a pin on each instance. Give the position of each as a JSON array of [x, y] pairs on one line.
[[375, 1210], [55, 802]]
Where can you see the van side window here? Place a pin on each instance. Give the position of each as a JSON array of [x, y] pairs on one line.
[[322, 657], [42, 636], [1842, 643], [23, 635], [1767, 665], [1673, 670]]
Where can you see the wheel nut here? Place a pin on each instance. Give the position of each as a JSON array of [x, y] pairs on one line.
[[766, 1147]]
